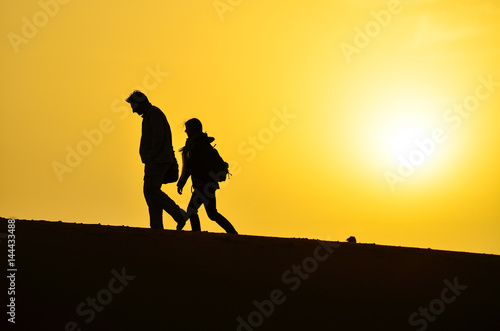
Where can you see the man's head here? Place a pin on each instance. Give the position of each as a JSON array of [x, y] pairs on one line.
[[139, 102]]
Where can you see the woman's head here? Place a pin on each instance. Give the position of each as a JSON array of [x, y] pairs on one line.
[[193, 126]]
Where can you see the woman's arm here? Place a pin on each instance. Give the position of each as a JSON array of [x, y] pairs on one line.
[[186, 170]]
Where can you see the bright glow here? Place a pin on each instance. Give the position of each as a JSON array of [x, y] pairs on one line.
[[404, 131]]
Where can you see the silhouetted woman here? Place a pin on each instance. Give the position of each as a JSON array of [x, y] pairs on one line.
[[194, 164]]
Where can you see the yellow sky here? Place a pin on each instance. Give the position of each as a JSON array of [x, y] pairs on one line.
[[377, 119]]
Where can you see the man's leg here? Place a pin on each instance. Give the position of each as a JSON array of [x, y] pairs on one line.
[[152, 187], [156, 199], [171, 207]]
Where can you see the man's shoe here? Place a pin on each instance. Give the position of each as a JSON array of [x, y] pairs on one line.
[[180, 225]]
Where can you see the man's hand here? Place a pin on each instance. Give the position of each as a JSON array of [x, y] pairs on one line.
[[179, 189]]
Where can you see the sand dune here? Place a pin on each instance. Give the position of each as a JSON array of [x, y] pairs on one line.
[[92, 277]]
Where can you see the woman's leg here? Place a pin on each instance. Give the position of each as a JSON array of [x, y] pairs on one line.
[[214, 215]]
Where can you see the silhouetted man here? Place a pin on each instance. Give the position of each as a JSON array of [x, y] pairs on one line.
[[157, 154]]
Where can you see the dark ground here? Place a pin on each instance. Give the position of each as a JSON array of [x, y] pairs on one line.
[[92, 277]]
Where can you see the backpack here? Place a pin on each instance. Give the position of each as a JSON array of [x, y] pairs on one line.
[[218, 169]]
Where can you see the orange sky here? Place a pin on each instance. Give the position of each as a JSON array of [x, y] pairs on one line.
[[376, 119]]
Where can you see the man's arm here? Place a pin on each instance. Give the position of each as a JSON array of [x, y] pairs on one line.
[[157, 123]]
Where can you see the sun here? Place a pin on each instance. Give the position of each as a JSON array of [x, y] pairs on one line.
[[408, 142], [402, 128]]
